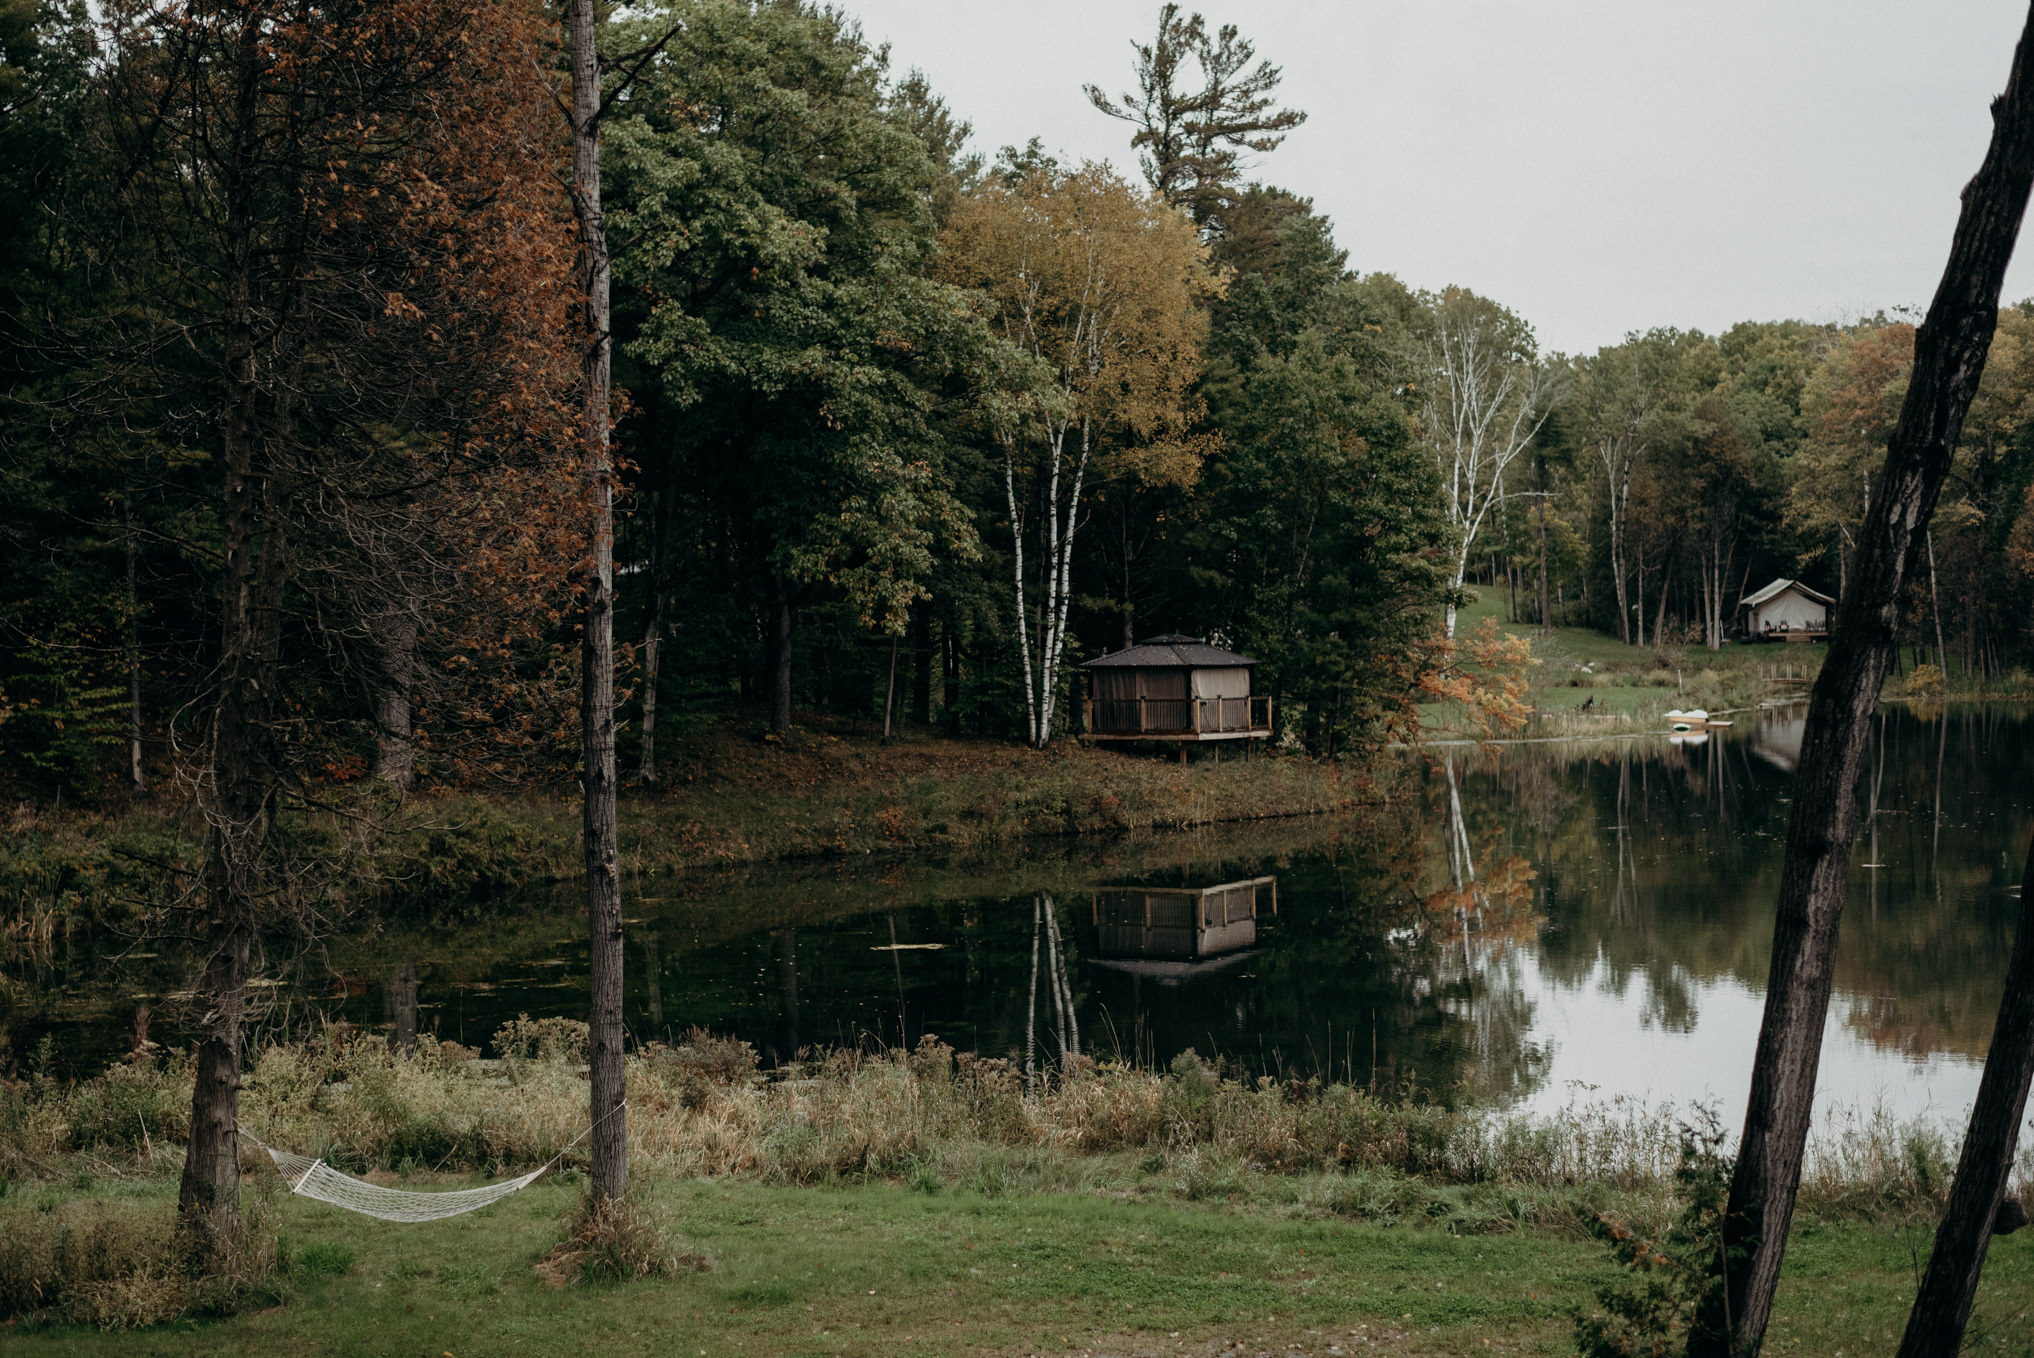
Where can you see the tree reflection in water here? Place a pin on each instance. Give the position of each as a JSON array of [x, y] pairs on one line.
[[1659, 865], [1433, 942]]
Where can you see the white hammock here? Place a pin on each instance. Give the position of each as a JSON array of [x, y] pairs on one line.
[[317, 1180]]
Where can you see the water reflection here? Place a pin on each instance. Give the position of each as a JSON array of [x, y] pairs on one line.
[[1066, 1025], [1538, 919], [1172, 934]]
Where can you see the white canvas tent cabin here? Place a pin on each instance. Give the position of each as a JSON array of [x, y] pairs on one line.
[[1785, 610], [1174, 688]]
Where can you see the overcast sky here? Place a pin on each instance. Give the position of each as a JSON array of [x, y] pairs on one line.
[[1599, 166]]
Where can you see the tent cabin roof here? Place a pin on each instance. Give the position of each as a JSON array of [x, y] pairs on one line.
[[1779, 587], [1170, 651]]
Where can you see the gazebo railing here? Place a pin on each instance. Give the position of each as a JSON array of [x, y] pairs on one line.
[[1177, 716]]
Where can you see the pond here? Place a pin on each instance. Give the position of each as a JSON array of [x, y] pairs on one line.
[[1545, 923]]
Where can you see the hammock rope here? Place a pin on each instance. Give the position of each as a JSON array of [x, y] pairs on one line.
[[320, 1182]]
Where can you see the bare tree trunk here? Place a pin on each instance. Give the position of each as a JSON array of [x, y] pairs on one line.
[[208, 1196], [609, 1140], [1031, 998], [1640, 603], [237, 791], [780, 663], [1660, 616], [1619, 455], [1062, 520], [890, 693], [653, 643], [1617, 579], [1942, 1307], [395, 758], [1935, 607], [1949, 356], [137, 774], [653, 629], [1546, 608]]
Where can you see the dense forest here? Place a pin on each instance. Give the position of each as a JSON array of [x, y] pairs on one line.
[[904, 429]]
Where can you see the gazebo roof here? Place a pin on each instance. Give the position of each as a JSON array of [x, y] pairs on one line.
[[1779, 587], [1172, 652]]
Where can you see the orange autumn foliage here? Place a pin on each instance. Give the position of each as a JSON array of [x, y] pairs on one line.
[[1484, 674]]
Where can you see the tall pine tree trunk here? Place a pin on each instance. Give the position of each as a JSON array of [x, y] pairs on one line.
[[235, 785], [609, 1139], [1949, 357]]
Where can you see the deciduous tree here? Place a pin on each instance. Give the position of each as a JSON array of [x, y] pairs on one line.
[[781, 204], [1485, 394], [1101, 286]]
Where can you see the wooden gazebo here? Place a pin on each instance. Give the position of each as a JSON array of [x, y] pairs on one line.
[[1174, 688]]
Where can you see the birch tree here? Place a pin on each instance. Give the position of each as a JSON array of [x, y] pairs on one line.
[[1625, 400], [1485, 396], [1101, 285]]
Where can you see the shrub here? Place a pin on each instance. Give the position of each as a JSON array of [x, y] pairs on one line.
[[702, 1063], [134, 1103], [546, 1039], [1925, 681], [1187, 1099], [1669, 1292]]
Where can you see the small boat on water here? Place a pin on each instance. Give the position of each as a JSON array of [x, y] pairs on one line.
[[1695, 719]]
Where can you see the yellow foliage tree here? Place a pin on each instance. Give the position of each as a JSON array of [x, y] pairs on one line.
[[1102, 285]]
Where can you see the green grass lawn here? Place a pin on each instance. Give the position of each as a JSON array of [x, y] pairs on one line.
[[1639, 686], [883, 1269], [1572, 646]]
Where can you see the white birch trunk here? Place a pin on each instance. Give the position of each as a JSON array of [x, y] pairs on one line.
[[1484, 407]]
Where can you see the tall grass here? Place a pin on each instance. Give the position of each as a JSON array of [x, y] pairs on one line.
[[931, 1115], [122, 1264]]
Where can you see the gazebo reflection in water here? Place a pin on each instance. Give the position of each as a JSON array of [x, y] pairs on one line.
[[1172, 934]]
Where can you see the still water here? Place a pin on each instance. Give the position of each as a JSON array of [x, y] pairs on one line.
[[1545, 923]]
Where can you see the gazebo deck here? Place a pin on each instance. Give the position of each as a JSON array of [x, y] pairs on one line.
[[1175, 719]]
